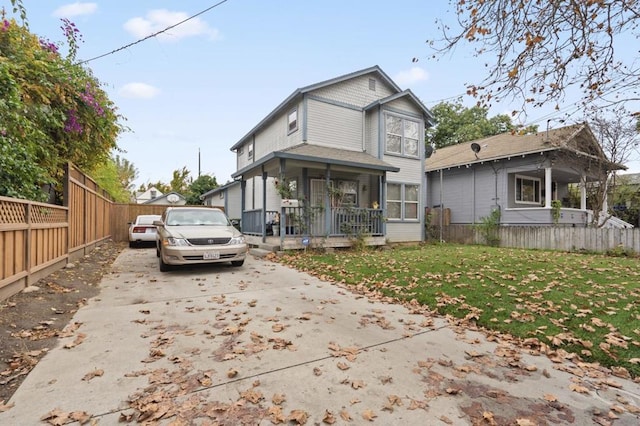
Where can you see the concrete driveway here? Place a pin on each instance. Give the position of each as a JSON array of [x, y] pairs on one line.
[[265, 344]]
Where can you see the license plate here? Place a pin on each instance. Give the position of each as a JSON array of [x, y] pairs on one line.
[[151, 230], [211, 255]]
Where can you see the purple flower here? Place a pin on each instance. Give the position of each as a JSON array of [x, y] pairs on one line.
[[72, 125], [5, 25]]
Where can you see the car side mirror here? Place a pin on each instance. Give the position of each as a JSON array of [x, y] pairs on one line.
[[157, 223]]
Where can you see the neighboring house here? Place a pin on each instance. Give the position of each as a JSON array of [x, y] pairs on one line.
[[226, 197], [347, 157], [625, 201], [172, 198], [149, 194], [520, 175]]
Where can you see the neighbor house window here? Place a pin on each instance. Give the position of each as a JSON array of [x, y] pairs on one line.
[[402, 201], [292, 121], [250, 151], [527, 190], [402, 136]]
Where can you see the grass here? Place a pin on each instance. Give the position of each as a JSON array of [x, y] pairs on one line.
[[586, 304]]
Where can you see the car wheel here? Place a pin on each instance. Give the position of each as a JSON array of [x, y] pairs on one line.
[[237, 262], [163, 266]]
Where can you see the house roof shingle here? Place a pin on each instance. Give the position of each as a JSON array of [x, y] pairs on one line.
[[325, 155], [507, 145]]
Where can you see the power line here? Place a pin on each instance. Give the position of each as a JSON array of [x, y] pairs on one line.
[[156, 33]]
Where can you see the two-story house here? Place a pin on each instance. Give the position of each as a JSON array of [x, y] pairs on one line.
[[336, 160]]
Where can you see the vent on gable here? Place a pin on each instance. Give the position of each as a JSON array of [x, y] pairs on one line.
[[372, 84]]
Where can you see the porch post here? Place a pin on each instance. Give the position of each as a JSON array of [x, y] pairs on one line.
[[264, 205], [327, 202], [243, 203], [547, 187], [583, 192], [383, 201]]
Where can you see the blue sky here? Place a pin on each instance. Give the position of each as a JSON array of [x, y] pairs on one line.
[[206, 83]]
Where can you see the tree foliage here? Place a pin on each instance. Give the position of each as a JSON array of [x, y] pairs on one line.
[[456, 123], [108, 176], [180, 180], [52, 110], [537, 49], [199, 186]]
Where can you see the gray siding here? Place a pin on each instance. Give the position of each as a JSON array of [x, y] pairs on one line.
[[355, 91], [372, 133], [273, 137], [404, 232], [334, 125], [233, 206]]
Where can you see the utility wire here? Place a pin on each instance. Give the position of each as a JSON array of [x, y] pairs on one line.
[[156, 33]]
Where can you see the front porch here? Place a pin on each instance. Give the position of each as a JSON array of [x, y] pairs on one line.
[[304, 227]]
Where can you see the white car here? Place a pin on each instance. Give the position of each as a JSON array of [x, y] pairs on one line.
[[193, 235], [143, 230]]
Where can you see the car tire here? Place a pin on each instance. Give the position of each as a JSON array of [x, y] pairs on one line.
[[163, 266], [132, 244], [157, 251], [237, 262]]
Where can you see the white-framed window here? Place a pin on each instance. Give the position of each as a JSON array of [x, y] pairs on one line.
[[292, 121], [349, 191], [528, 190], [402, 201], [402, 136], [250, 150]]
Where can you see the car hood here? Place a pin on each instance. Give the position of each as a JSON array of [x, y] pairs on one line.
[[203, 231]]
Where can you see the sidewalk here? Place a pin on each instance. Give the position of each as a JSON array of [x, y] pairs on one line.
[[264, 344]]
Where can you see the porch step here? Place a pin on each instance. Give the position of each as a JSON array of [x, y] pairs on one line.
[[263, 250]]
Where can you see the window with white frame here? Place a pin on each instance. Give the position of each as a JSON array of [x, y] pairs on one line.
[[528, 190], [402, 136], [292, 121], [402, 201], [250, 151]]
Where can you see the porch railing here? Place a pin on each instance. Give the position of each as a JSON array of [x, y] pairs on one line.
[[312, 221]]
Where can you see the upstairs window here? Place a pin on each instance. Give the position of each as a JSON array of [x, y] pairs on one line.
[[250, 151], [528, 190], [292, 120], [402, 136]]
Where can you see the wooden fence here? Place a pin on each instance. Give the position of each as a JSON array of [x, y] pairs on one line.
[[552, 238], [123, 214], [37, 238]]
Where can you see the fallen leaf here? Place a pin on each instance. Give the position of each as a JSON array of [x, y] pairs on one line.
[[550, 397], [577, 388], [344, 415], [4, 407], [328, 418], [232, 373], [278, 398], [298, 416], [369, 415], [95, 373]]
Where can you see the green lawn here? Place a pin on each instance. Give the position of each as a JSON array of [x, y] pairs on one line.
[[583, 303]]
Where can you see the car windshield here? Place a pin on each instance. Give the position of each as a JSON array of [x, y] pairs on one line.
[[197, 217]]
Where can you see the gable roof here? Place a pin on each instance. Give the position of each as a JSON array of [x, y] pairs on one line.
[[577, 138], [326, 155], [301, 91], [220, 189], [164, 197]]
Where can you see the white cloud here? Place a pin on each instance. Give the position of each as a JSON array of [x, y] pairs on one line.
[[75, 9], [411, 76], [158, 20], [138, 91]]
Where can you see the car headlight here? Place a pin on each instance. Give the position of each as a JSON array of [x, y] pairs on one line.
[[237, 240], [172, 241]]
